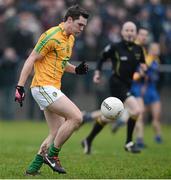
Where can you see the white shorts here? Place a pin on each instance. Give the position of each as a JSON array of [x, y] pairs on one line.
[[45, 95]]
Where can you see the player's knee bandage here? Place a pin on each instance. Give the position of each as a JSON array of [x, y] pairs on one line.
[[125, 116], [100, 121], [134, 118]]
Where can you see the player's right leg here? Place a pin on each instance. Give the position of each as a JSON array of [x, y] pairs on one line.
[[99, 124], [54, 122]]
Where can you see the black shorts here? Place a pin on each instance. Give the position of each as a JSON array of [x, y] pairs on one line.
[[118, 88]]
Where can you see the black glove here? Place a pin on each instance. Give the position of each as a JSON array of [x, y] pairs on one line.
[[81, 68], [20, 95]]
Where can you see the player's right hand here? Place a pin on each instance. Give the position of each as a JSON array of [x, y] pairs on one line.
[[19, 95]]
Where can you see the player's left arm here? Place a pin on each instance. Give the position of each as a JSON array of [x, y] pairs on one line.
[[80, 69], [143, 66], [70, 68]]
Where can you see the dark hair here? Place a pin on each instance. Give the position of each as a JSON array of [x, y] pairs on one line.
[[75, 12], [143, 28]]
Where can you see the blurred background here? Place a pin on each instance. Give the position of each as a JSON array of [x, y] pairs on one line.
[[22, 22]]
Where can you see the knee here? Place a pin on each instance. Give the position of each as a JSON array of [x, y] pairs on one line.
[[142, 110], [77, 119], [137, 112]]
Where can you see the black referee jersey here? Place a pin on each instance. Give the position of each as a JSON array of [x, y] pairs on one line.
[[125, 57]]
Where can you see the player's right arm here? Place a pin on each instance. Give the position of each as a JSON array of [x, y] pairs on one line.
[[25, 72], [43, 46], [28, 66], [106, 54]]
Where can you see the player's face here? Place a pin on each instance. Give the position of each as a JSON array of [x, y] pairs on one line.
[[142, 36], [154, 49], [78, 25], [129, 32]]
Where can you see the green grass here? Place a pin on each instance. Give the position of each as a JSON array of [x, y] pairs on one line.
[[19, 141]]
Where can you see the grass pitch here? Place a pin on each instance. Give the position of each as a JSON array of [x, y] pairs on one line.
[[20, 140]]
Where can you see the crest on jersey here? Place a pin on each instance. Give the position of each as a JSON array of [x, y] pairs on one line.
[[137, 56], [124, 58], [54, 94]]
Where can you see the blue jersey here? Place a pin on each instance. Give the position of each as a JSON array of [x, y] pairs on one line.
[[150, 95], [152, 72]]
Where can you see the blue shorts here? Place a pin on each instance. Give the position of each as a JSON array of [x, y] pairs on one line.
[[136, 89], [151, 95]]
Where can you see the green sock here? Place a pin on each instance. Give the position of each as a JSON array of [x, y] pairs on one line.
[[53, 151], [36, 164]]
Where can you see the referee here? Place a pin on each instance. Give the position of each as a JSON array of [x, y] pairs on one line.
[[125, 56]]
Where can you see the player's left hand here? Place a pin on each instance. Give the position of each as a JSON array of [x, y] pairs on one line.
[[82, 68], [20, 95]]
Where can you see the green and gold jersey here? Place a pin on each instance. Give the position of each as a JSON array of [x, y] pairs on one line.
[[56, 48]]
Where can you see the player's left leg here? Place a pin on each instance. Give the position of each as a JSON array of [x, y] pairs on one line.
[[73, 119], [155, 109], [156, 113], [139, 128], [54, 121], [132, 105]]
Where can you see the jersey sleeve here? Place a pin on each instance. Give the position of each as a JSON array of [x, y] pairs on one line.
[[44, 45], [142, 59], [106, 54]]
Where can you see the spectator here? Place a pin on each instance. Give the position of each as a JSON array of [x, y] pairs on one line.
[[156, 11], [8, 72]]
